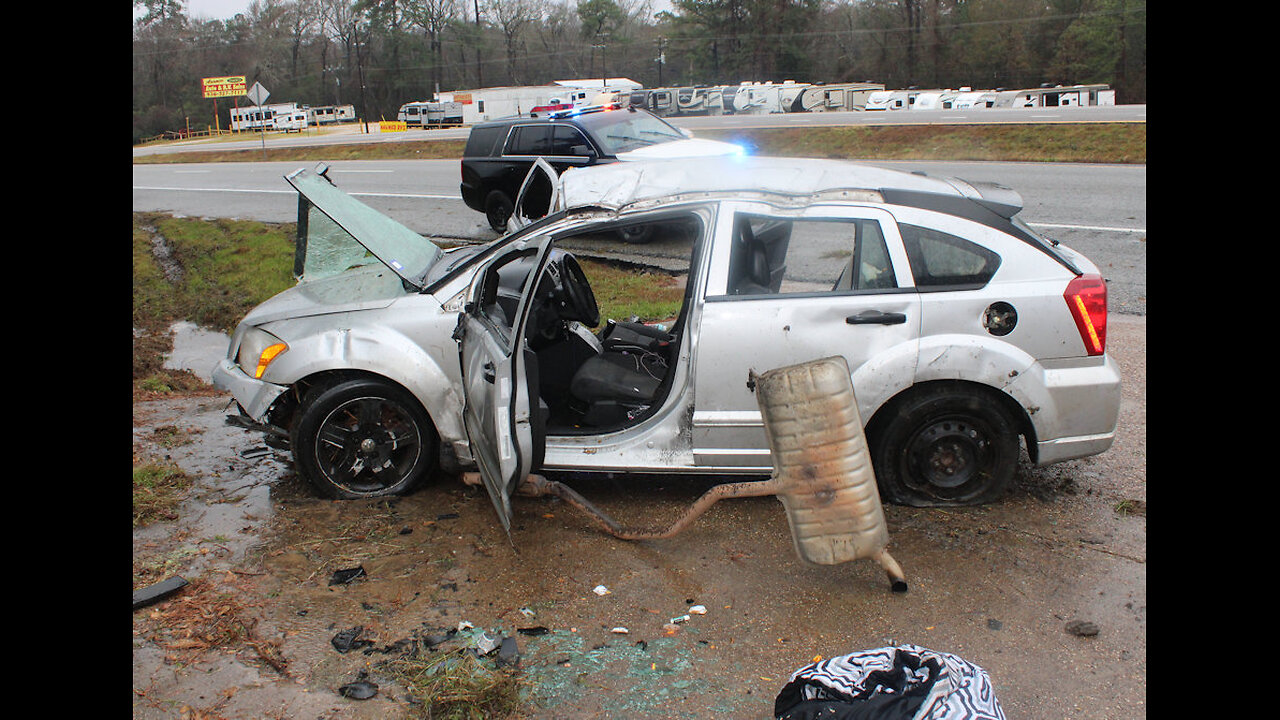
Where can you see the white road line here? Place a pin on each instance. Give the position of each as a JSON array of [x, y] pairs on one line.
[[425, 196], [293, 192], [1102, 228]]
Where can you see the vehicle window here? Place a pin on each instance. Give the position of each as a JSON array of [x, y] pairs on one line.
[[569, 141], [482, 139], [939, 259], [529, 140], [501, 288], [782, 256], [623, 130]]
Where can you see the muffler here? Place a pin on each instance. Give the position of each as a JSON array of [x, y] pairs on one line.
[[822, 471], [822, 466]]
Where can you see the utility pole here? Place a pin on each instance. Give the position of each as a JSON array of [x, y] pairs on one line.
[[479, 60], [662, 57]]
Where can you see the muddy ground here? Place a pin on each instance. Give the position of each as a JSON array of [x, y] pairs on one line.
[[998, 585]]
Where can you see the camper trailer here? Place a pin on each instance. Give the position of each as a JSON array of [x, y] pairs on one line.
[[330, 114], [889, 100], [975, 99], [424, 114], [499, 102], [698, 101], [935, 100], [763, 98], [289, 117], [837, 97]]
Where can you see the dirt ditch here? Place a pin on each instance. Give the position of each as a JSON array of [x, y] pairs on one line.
[[1016, 587]]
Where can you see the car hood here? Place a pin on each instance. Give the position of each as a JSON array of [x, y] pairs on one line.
[[337, 232], [362, 288], [689, 147]]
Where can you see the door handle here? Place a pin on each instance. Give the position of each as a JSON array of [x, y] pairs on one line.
[[488, 372], [875, 317]]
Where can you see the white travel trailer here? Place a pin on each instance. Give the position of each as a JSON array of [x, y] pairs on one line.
[[836, 97], [698, 101], [934, 100], [430, 114], [975, 99], [330, 114], [889, 100], [768, 97], [499, 102], [289, 117], [1057, 96]]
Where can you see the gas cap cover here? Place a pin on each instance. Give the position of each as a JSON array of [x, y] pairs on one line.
[[999, 318]]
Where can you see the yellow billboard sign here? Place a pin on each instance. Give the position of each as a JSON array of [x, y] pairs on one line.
[[392, 126], [229, 86]]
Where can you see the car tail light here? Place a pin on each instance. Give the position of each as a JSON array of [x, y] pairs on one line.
[[1086, 295]]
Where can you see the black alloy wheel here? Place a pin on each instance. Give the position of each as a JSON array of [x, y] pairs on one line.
[[363, 438]]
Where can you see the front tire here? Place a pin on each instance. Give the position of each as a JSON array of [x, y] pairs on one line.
[[363, 438], [945, 446]]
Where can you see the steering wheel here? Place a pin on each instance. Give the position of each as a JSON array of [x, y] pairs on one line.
[[578, 292]]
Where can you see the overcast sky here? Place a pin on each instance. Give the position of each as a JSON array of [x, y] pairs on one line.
[[217, 9]]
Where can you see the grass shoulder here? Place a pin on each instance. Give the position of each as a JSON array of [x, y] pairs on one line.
[[1030, 142]]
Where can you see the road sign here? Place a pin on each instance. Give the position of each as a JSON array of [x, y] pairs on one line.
[[229, 86], [258, 94]]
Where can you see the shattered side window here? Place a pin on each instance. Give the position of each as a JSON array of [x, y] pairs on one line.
[[775, 256], [328, 248]]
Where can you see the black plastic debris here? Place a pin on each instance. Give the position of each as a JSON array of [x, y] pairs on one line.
[[155, 593], [404, 647], [349, 640], [508, 652], [358, 690], [533, 631], [448, 516], [344, 577], [434, 640], [406, 530]]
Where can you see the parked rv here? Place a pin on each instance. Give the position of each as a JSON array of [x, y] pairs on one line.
[[430, 114], [330, 114], [289, 117], [840, 96], [889, 100], [764, 98]]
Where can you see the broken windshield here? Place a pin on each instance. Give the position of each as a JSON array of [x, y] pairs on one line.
[[336, 232]]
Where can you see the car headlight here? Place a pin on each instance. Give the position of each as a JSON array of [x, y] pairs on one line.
[[257, 349]]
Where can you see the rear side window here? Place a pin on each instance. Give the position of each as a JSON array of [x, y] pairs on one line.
[[943, 261], [482, 139]]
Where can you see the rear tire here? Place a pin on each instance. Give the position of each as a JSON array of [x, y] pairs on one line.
[[945, 446], [497, 209], [363, 438]]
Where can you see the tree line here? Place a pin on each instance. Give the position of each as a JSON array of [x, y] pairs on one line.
[[379, 54]]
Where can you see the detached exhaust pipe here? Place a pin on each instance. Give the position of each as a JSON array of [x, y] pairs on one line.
[[822, 472]]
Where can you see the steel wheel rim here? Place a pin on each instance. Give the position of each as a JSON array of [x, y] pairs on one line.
[[368, 444], [949, 453]]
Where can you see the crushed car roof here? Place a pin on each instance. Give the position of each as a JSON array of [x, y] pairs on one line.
[[619, 185]]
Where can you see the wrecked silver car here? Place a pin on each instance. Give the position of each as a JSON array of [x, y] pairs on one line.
[[963, 329]]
